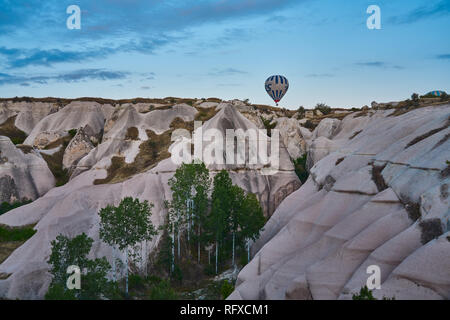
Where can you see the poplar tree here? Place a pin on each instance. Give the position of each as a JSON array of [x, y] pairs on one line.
[[187, 211], [126, 225]]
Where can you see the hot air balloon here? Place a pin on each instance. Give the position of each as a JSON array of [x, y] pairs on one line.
[[276, 87]]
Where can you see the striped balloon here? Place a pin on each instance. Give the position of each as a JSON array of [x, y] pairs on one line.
[[276, 87]]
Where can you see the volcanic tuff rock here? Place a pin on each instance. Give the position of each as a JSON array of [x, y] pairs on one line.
[[386, 186], [77, 148], [378, 186], [22, 175], [73, 116], [72, 209], [28, 114]]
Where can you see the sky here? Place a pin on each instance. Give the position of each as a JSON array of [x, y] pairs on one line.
[[225, 49]]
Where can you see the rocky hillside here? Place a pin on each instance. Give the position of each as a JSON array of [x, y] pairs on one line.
[[377, 191], [378, 194], [100, 154]]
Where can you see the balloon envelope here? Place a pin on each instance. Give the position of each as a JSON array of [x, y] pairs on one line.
[[276, 87]]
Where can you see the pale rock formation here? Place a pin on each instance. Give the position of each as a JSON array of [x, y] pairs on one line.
[[46, 138], [292, 135], [22, 175], [77, 148], [75, 115], [72, 208], [321, 239], [327, 128], [28, 114]]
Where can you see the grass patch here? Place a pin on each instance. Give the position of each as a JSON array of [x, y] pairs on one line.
[[204, 114], [25, 148], [9, 129], [132, 134], [431, 229], [8, 234], [151, 152], [11, 238], [6, 248], [361, 114], [5, 206], [217, 100], [54, 163]]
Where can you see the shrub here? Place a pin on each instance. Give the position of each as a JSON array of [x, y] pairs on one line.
[[135, 281], [431, 229], [73, 132], [226, 289], [364, 294], [300, 168], [268, 125], [322, 107], [209, 270], [177, 274], [161, 290], [411, 207], [309, 125]]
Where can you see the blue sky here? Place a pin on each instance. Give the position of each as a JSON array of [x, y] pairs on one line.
[[225, 49]]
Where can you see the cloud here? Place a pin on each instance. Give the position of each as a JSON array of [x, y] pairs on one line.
[[116, 17], [226, 72], [319, 75], [439, 9], [19, 58], [72, 76], [229, 85], [378, 64], [443, 56]]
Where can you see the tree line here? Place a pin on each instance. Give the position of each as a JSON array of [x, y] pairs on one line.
[[203, 215]]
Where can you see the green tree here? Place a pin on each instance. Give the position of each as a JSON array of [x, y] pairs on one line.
[[234, 213], [252, 219], [219, 217], [126, 225], [190, 188], [301, 112], [94, 282]]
